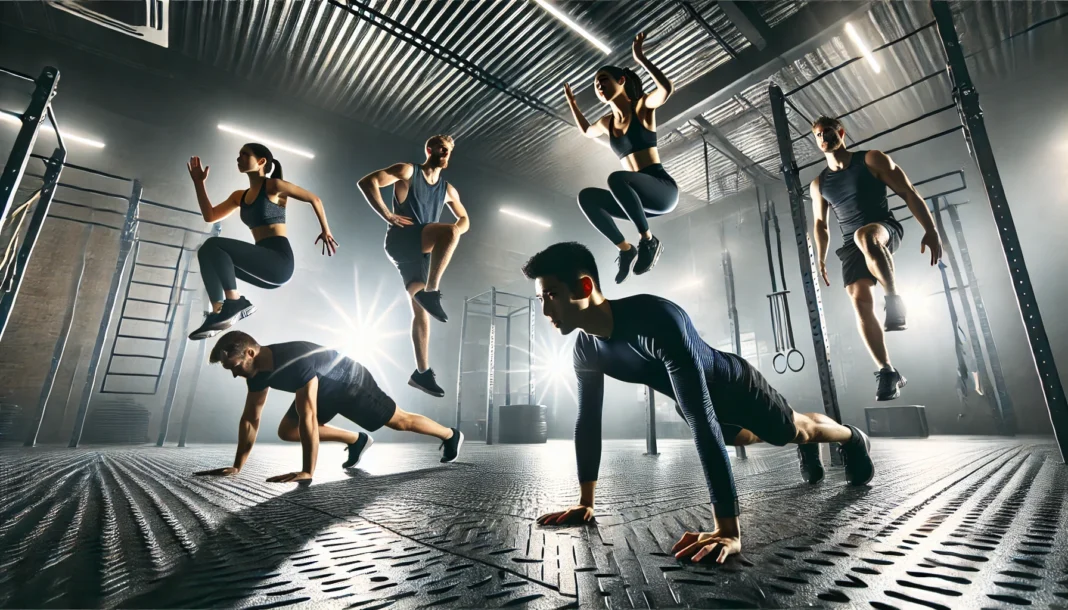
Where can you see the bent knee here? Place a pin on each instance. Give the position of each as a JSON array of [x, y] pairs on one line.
[[288, 432], [860, 292], [869, 238], [588, 197], [450, 232], [210, 246], [618, 179], [401, 420]]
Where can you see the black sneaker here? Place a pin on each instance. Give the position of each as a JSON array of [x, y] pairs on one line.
[[811, 464], [451, 446], [649, 251], [858, 465], [625, 261], [426, 382], [208, 329], [431, 302], [234, 310], [889, 385], [895, 313], [357, 449]]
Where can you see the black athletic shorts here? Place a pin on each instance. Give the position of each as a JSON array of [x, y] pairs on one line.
[[404, 245], [751, 403], [366, 405], [854, 266]]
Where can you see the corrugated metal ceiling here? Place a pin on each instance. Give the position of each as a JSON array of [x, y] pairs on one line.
[[331, 55]]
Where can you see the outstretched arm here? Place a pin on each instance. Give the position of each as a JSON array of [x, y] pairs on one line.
[[308, 426], [287, 190], [894, 177], [249, 426], [372, 184], [246, 434], [587, 442], [211, 213], [677, 347], [664, 87], [452, 198]]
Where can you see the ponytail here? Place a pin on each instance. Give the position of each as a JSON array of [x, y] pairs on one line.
[[632, 83], [273, 168]]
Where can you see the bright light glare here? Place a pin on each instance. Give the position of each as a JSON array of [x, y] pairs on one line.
[[7, 118], [526, 217], [363, 334], [237, 131], [691, 283], [855, 37], [554, 368], [552, 10]]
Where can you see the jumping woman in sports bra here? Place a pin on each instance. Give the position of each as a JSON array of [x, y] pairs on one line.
[[269, 262], [644, 189]]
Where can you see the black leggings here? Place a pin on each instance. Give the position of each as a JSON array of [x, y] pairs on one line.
[[635, 195], [267, 263]]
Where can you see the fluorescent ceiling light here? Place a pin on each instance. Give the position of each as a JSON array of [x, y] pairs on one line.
[[855, 37], [265, 141], [67, 136], [552, 10], [526, 217]]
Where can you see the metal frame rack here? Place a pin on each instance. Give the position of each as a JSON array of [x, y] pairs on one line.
[[131, 239], [487, 304]]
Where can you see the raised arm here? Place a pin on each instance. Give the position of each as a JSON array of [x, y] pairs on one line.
[[821, 232], [594, 130], [452, 199], [664, 87], [372, 184], [891, 174], [211, 213]]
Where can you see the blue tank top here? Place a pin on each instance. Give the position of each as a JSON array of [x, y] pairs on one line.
[[262, 211], [424, 201], [635, 138], [855, 194]]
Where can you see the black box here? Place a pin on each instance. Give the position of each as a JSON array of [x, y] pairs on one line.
[[909, 421]]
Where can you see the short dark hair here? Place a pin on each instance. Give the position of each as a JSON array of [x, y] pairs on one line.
[[825, 121], [567, 261], [230, 345]]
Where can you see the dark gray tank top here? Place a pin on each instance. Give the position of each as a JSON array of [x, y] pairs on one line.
[[855, 194], [262, 211], [424, 202]]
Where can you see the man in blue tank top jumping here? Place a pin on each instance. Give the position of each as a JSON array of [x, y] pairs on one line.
[[854, 186], [417, 243]]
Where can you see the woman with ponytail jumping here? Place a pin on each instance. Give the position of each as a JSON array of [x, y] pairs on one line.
[[644, 189], [269, 262]]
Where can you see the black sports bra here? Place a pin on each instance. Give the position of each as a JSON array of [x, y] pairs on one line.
[[635, 138]]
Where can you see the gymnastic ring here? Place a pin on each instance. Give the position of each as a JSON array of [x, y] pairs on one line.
[[780, 363], [799, 355]]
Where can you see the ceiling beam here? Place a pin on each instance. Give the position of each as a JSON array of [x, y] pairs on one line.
[[750, 23], [717, 140], [795, 36]]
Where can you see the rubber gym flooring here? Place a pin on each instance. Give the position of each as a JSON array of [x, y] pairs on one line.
[[948, 522]]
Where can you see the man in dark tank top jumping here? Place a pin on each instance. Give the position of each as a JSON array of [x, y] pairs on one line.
[[417, 243], [854, 186]]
